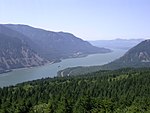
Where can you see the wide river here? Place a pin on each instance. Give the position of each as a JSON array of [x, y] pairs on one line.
[[50, 70]]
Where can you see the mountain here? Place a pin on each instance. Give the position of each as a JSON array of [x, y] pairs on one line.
[[56, 45], [138, 56], [24, 46], [15, 52], [117, 43]]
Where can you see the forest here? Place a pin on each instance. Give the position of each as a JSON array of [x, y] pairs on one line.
[[125, 90]]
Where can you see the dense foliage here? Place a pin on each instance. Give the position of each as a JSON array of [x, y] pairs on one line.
[[119, 91]]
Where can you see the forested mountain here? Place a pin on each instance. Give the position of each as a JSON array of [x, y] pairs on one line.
[[138, 56], [56, 45], [15, 52], [117, 43], [119, 91]]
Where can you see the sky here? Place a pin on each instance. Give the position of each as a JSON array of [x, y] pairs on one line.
[[87, 19]]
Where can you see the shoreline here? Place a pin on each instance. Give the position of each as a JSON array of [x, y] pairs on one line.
[[47, 70], [8, 71], [49, 63]]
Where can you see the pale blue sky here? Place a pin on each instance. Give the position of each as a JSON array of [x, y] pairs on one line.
[[87, 19]]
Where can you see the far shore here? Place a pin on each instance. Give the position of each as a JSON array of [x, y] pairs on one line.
[[49, 63]]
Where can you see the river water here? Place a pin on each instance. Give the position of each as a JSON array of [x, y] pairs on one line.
[[50, 70]]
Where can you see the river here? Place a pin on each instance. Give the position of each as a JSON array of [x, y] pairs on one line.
[[50, 70]]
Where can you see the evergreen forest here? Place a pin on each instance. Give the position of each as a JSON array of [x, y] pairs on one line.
[[117, 91]]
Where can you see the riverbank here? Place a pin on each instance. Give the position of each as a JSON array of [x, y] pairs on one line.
[[50, 70], [48, 63]]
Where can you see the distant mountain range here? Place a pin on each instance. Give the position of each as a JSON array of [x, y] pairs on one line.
[[25, 46], [136, 57], [117, 43]]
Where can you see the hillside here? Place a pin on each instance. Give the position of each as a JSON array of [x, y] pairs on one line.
[[79, 70], [15, 53], [138, 56], [25, 46], [120, 91], [57, 45]]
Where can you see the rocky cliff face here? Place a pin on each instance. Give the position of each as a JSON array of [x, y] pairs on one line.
[[15, 53]]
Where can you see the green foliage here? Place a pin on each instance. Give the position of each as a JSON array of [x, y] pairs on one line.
[[119, 91]]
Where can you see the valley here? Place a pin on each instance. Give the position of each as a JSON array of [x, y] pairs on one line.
[[50, 70], [74, 56]]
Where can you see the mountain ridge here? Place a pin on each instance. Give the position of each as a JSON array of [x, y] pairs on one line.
[[34, 47], [62, 45]]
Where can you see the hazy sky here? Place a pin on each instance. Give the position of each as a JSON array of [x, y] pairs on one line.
[[87, 19]]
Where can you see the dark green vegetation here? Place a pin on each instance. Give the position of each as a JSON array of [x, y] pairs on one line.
[[120, 91], [80, 70], [136, 57]]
